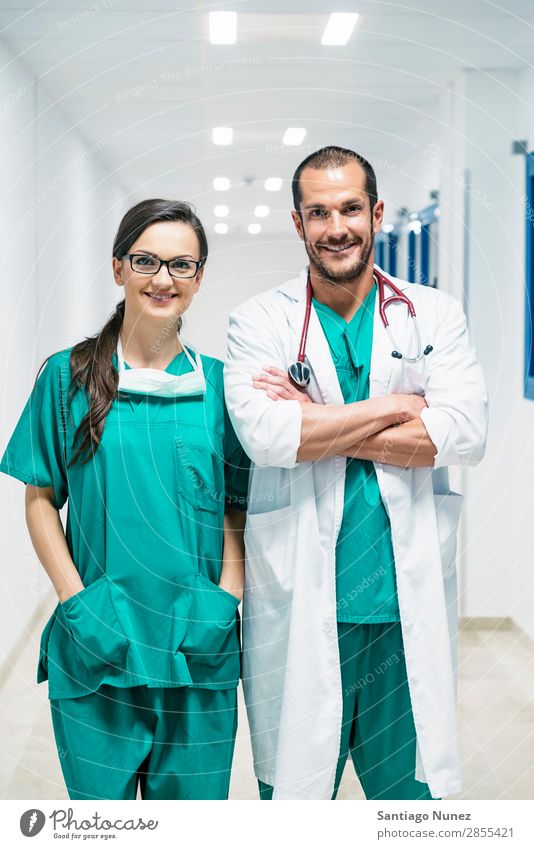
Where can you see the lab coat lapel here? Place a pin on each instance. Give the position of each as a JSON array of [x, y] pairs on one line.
[[382, 363], [320, 360], [381, 359], [318, 356]]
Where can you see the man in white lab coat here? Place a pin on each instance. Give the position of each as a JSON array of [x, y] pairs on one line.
[[349, 621]]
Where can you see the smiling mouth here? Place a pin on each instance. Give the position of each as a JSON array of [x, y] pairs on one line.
[[155, 297], [337, 249]]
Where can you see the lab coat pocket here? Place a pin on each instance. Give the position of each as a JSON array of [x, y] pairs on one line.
[[198, 478], [211, 640], [270, 552], [412, 377], [95, 628], [448, 510]]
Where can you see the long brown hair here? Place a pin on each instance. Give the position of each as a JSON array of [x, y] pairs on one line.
[[91, 363]]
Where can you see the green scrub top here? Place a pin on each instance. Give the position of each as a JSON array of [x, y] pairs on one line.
[[144, 529], [365, 569]]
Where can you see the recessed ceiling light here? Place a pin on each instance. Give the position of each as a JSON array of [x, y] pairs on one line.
[[294, 135], [273, 184], [261, 211], [221, 184], [254, 229], [339, 28], [222, 135], [223, 27], [221, 228], [221, 211]]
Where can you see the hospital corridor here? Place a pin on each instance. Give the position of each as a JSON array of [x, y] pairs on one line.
[[336, 200]]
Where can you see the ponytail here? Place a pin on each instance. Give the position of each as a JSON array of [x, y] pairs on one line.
[[92, 370]]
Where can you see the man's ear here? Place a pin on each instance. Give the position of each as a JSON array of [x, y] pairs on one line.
[[378, 215], [297, 221]]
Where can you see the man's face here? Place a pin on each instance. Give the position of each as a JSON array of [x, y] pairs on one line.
[[335, 221]]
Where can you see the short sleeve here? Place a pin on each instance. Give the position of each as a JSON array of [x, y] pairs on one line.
[[35, 453], [236, 468]]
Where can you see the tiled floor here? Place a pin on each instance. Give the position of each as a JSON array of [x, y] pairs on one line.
[[496, 711]]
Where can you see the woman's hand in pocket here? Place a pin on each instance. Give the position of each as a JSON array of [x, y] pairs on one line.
[[233, 562], [48, 538], [69, 590], [234, 588]]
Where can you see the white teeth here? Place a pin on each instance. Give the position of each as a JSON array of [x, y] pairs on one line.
[[337, 250], [160, 297]]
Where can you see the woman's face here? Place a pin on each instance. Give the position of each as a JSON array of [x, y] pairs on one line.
[[159, 295]]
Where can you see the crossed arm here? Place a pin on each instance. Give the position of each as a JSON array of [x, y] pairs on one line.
[[386, 429], [400, 430]]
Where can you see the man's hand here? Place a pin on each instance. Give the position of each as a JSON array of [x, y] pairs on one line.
[[278, 386], [327, 429], [407, 445], [408, 407]]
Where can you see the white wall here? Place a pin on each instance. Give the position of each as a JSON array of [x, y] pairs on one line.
[[235, 271], [520, 443], [58, 211], [20, 579], [81, 203], [408, 183], [480, 174]]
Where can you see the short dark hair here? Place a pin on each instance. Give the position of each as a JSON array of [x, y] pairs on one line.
[[332, 157]]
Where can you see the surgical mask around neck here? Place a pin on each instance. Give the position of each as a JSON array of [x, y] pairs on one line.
[[153, 381]]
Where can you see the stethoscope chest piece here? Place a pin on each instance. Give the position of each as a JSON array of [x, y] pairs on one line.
[[300, 374]]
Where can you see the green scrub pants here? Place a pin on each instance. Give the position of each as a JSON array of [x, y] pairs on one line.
[[377, 724], [177, 743]]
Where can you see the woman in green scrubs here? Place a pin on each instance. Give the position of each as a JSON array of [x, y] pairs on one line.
[[142, 652]]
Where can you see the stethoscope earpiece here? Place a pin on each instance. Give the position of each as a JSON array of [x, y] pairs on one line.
[[398, 356]]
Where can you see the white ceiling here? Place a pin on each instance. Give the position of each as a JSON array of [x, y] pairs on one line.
[[146, 84]]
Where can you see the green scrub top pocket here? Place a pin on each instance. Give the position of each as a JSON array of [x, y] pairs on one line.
[[95, 628], [197, 477]]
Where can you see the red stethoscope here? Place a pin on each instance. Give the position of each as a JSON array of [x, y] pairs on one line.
[[299, 373]]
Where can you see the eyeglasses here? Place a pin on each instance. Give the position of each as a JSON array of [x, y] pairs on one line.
[[177, 267]]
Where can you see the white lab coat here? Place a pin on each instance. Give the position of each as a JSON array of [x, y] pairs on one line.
[[291, 671]]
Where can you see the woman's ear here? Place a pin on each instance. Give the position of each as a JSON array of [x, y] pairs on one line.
[[198, 278], [116, 265]]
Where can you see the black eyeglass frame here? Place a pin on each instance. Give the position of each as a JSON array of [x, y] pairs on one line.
[[198, 263]]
